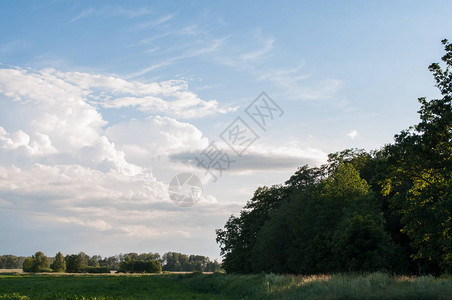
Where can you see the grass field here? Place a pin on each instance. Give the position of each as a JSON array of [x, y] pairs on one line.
[[222, 286]]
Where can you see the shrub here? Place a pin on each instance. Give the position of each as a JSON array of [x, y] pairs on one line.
[[27, 266]]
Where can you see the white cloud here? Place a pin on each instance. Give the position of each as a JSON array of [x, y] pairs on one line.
[[82, 15], [144, 140], [114, 11], [267, 44], [40, 144], [128, 12], [157, 21], [62, 163], [264, 157], [352, 134], [291, 81], [73, 94], [210, 47]]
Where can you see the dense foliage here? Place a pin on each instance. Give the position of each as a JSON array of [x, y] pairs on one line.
[[140, 266], [174, 261], [388, 210], [128, 263], [11, 261]]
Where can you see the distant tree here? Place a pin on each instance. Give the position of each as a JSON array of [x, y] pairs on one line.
[[27, 265], [213, 266], [112, 262], [11, 262], [77, 263], [40, 262], [172, 261], [59, 263], [150, 255], [129, 265], [94, 261]]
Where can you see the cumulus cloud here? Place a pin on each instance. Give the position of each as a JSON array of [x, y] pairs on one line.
[[144, 140], [50, 86], [60, 160]]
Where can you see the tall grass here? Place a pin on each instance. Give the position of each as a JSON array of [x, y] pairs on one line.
[[340, 286]]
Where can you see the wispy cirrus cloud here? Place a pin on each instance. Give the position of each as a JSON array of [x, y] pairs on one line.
[[208, 47], [265, 46], [128, 12], [155, 22], [112, 11], [82, 14]]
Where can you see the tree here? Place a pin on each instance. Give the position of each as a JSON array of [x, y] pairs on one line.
[[27, 266], [420, 176], [77, 263], [40, 262], [11, 261], [314, 224], [129, 265], [94, 261], [59, 263], [361, 244], [238, 237]]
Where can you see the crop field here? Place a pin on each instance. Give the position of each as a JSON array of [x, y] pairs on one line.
[[222, 286]]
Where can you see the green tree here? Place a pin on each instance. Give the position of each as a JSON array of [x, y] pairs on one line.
[[94, 261], [129, 265], [77, 263], [318, 225], [27, 266], [40, 262], [238, 237], [59, 263], [361, 244], [420, 176]]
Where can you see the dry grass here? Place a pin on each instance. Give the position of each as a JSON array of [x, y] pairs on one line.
[[9, 271]]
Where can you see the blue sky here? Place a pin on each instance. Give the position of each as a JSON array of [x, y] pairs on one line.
[[102, 103]]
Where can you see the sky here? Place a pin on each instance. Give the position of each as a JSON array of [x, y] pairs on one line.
[[103, 103]]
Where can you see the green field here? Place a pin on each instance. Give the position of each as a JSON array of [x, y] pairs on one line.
[[222, 286]]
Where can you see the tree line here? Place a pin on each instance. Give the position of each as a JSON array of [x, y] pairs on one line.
[[127, 263], [11, 261], [384, 210]]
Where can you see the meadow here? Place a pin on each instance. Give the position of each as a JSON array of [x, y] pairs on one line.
[[222, 286]]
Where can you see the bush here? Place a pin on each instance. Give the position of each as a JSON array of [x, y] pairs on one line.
[[27, 266]]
